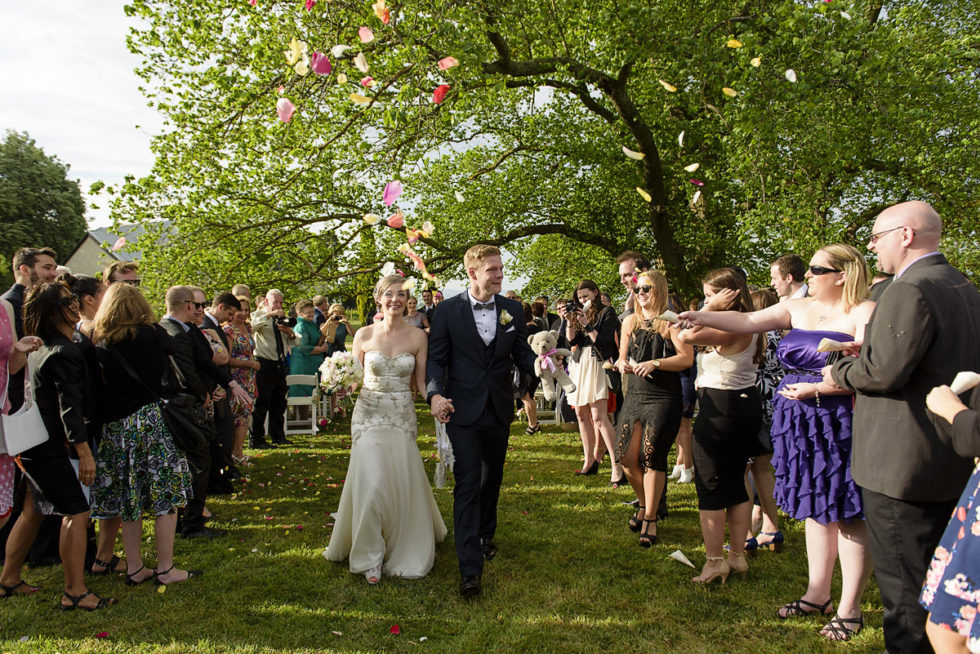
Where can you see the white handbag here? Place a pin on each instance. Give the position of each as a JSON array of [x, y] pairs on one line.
[[23, 429]]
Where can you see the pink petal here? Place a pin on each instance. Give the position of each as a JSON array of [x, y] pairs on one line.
[[395, 629], [440, 93], [386, 16], [281, 89], [102, 634], [367, 82], [320, 64], [285, 109], [696, 182], [448, 62], [365, 34], [119, 244], [309, 4], [397, 220], [252, 2], [391, 192], [413, 236]]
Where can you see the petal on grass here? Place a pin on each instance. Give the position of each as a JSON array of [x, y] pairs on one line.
[[734, 44], [395, 629], [729, 91], [756, 62]]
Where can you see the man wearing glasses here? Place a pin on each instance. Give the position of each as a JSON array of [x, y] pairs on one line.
[[122, 271], [924, 330]]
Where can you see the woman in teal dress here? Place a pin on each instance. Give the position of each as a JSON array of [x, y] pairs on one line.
[[307, 355]]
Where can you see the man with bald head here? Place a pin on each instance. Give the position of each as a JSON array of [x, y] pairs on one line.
[[924, 330]]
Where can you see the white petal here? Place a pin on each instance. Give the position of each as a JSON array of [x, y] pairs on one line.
[[790, 75], [680, 139], [692, 167], [338, 51], [633, 154]]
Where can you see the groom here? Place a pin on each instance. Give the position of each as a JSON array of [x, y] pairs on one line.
[[474, 339]]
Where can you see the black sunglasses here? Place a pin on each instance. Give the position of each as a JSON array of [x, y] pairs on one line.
[[642, 289], [197, 305], [820, 270]]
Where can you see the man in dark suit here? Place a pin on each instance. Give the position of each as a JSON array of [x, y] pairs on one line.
[[924, 330], [221, 310], [474, 340]]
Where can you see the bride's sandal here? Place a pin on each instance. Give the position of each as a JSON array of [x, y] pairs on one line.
[[373, 576]]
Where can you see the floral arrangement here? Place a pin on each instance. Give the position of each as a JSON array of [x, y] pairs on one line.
[[340, 371]]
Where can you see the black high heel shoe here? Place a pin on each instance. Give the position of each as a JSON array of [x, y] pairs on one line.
[[592, 470], [647, 539], [636, 521]]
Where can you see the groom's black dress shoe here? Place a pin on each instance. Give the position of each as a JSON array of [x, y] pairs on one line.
[[470, 587], [489, 549]]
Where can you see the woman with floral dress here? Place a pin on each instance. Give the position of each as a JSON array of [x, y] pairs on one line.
[[243, 364]]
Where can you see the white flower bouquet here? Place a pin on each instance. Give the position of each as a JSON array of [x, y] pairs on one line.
[[340, 372]]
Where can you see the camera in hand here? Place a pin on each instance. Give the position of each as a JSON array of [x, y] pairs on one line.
[[572, 306]]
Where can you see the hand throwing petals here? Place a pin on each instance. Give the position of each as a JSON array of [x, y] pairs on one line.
[[644, 194], [285, 109], [365, 34], [440, 93], [371, 219], [692, 167], [633, 154], [667, 85], [360, 62], [392, 191], [321, 64], [447, 62]]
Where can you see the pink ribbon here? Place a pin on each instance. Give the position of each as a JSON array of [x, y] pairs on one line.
[[547, 363]]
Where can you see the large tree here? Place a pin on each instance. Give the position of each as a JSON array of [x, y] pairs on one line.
[[752, 128], [39, 205]]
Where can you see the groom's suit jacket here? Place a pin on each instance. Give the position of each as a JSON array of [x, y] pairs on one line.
[[461, 367], [925, 329]]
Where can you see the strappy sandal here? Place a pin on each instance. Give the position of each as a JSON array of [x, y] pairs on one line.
[[837, 629], [108, 567], [373, 576], [10, 591], [796, 610], [531, 431], [647, 539], [131, 578], [636, 521], [75, 599], [190, 574]]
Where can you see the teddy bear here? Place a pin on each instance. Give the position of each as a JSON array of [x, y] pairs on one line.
[[543, 344]]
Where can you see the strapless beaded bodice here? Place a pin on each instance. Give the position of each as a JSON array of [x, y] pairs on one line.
[[388, 374], [385, 400]]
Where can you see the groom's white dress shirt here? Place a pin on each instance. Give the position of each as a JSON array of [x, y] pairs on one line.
[[485, 319]]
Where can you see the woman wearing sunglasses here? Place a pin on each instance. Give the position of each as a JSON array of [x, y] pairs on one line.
[[653, 355], [811, 430]]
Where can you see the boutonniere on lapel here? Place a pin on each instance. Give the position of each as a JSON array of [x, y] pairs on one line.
[[505, 317]]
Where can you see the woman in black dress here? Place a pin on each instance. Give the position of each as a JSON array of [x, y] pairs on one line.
[[651, 357]]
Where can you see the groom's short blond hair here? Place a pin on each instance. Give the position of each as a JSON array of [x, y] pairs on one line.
[[476, 254]]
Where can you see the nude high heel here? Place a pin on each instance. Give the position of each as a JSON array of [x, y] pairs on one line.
[[718, 573], [738, 564]]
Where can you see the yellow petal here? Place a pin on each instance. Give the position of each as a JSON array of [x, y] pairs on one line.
[[644, 194], [302, 67], [756, 62], [734, 43], [667, 85], [357, 98], [341, 78], [692, 167], [427, 229], [372, 218], [379, 8], [632, 154], [409, 284], [730, 92]]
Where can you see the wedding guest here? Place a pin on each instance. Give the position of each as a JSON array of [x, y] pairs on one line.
[[220, 311], [428, 305], [786, 274], [242, 291], [630, 263], [950, 590], [243, 368], [811, 430], [591, 330], [728, 423], [415, 317], [319, 310], [58, 382], [437, 298], [122, 271], [651, 354], [272, 337], [338, 315], [307, 354], [139, 469], [924, 330], [879, 283], [527, 384]]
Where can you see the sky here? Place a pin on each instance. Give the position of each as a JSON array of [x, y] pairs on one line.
[[68, 81]]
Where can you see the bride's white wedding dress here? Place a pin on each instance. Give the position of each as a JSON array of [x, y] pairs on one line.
[[387, 516]]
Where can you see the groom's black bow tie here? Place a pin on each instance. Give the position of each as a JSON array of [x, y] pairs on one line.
[[487, 306]]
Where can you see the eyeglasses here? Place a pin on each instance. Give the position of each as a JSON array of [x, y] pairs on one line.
[[68, 300], [874, 237], [820, 270], [197, 305], [642, 289]]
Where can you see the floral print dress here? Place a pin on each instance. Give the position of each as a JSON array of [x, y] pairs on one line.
[[242, 347]]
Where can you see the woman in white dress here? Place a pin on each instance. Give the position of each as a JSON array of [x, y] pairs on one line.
[[388, 520]]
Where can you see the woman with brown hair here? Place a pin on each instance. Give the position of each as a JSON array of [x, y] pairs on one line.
[[140, 470], [652, 354], [811, 430], [591, 332], [241, 347]]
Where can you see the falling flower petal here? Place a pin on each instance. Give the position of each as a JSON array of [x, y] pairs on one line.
[[388, 269], [448, 62], [296, 51], [391, 192], [440, 93], [302, 67], [360, 62], [459, 196], [756, 62], [644, 194], [730, 92], [253, 2], [309, 4], [119, 244], [845, 15], [365, 34], [680, 139], [281, 89], [407, 250], [413, 236], [696, 197], [341, 78], [162, 588], [357, 98], [285, 109], [633, 154], [321, 64], [427, 229], [409, 284], [692, 167], [335, 633], [372, 218], [396, 220], [790, 75], [667, 85], [696, 182], [367, 82], [395, 630], [338, 51], [734, 44], [379, 8]]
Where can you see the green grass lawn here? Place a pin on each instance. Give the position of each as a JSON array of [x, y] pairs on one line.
[[569, 576]]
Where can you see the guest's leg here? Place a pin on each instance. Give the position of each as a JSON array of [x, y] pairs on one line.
[[19, 540], [855, 566], [739, 516], [584, 416], [945, 641], [468, 474], [531, 409], [684, 457], [132, 532], [600, 419], [765, 485], [821, 555], [241, 433], [632, 465], [71, 547], [277, 407]]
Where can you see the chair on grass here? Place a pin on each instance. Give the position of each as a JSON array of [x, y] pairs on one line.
[[297, 425]]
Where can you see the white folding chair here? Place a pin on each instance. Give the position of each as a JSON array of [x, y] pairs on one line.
[[546, 416], [297, 426]]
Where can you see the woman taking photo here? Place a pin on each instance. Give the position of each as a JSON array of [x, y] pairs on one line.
[[244, 365], [139, 468], [726, 427], [591, 332], [58, 383], [652, 354], [811, 430], [338, 343]]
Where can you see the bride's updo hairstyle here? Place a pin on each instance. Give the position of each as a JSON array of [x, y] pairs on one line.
[[849, 259], [387, 282]]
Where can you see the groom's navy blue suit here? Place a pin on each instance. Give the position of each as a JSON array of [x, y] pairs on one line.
[[477, 377]]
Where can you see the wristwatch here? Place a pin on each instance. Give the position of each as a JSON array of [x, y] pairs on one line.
[[656, 364]]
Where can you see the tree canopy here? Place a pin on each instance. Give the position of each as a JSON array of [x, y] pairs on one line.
[[704, 133], [39, 205]]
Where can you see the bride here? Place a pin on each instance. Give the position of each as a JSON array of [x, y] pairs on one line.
[[388, 519]]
